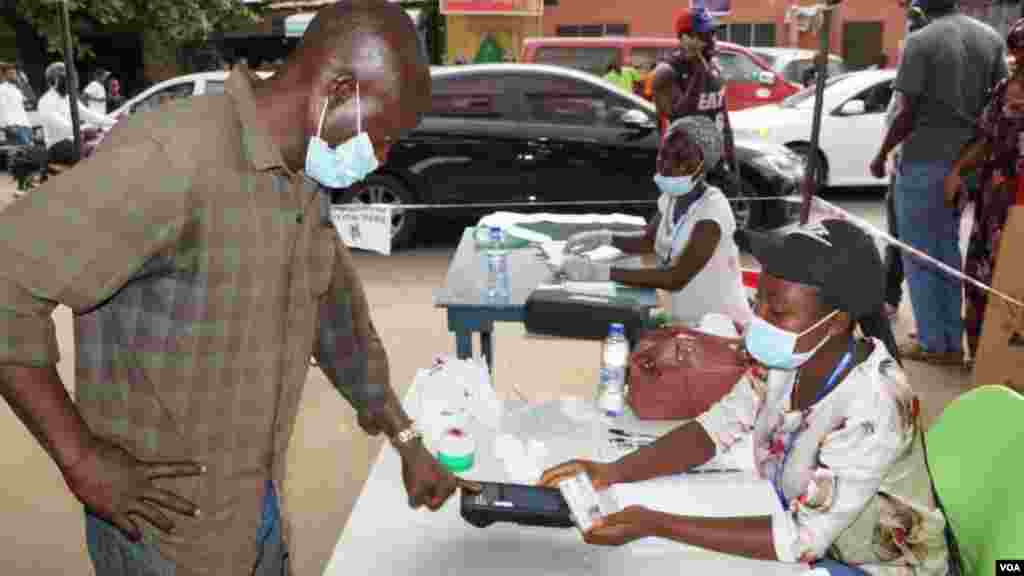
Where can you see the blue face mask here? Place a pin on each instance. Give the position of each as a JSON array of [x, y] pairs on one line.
[[351, 162], [776, 348], [677, 185]]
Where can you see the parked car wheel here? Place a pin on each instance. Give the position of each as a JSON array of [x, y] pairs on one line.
[[803, 150], [385, 189]]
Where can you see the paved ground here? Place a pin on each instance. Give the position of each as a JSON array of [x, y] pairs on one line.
[[43, 533]]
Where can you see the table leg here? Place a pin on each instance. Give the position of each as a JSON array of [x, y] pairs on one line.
[[464, 344], [487, 349]]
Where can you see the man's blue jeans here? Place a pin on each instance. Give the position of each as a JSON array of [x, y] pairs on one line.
[[114, 555], [19, 135], [928, 225]]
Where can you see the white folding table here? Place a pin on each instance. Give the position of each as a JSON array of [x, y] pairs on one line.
[[384, 536]]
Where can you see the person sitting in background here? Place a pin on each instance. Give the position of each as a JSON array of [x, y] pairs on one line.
[[13, 118], [834, 425], [55, 115], [24, 161], [998, 156], [95, 94], [692, 233]]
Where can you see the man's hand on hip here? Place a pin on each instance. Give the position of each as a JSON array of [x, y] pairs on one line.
[[427, 482], [118, 487]]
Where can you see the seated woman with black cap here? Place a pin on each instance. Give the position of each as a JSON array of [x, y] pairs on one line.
[[692, 234], [834, 425]]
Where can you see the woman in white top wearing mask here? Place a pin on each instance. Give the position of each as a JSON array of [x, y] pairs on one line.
[[691, 234]]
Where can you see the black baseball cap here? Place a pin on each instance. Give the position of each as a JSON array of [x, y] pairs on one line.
[[838, 258]]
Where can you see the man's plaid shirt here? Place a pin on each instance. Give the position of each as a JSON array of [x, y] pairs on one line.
[[203, 277]]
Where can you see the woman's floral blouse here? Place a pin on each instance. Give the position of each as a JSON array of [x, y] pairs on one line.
[[855, 486]]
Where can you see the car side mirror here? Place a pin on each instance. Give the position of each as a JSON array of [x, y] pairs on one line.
[[637, 120], [766, 78], [853, 108]]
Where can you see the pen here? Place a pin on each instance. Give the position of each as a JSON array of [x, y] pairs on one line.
[[623, 443], [623, 433]]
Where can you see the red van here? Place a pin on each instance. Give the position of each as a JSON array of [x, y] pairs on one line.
[[750, 81]]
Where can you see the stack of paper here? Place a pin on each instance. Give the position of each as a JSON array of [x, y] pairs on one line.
[[554, 253], [711, 494], [602, 289], [504, 219]]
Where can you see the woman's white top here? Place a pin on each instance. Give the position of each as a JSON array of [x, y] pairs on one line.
[[718, 288]]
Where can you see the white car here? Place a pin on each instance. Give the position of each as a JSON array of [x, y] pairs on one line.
[[793, 63], [852, 125], [179, 87]]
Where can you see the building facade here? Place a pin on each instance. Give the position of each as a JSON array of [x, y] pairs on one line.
[[453, 31], [862, 31]]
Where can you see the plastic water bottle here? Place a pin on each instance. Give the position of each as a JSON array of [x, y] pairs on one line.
[[497, 266], [611, 391]]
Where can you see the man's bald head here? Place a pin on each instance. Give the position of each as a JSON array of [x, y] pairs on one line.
[[372, 43], [339, 34], [359, 67]]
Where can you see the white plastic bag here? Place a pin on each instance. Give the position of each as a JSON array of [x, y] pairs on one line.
[[450, 393]]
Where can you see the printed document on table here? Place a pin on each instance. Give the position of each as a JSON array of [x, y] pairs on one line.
[[712, 494], [597, 289], [555, 255]]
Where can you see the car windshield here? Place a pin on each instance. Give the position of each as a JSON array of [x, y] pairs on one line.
[[833, 88]]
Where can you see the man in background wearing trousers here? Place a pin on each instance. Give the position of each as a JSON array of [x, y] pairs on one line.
[[945, 74]]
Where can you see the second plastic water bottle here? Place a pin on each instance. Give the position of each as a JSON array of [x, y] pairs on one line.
[[497, 266], [611, 391]]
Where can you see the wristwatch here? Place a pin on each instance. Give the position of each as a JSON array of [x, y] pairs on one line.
[[406, 436]]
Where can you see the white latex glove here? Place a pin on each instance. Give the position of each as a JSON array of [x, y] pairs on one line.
[[586, 241], [581, 269]]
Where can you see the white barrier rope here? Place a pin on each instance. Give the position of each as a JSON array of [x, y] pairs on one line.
[[875, 232], [826, 206], [396, 207]]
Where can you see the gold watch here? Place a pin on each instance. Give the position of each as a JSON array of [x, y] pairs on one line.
[[407, 435]]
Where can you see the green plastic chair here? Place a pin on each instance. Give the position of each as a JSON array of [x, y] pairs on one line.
[[976, 454]]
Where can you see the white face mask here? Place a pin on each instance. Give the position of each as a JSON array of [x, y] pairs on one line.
[[677, 186], [776, 348], [352, 161]]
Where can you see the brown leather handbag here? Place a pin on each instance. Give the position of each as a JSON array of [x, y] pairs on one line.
[[677, 373]]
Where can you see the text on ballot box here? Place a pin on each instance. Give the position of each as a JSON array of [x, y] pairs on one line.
[[364, 226]]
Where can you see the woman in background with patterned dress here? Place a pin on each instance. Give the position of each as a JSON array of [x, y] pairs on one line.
[[998, 156]]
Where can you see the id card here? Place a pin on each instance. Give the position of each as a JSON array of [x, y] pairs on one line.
[[586, 504]]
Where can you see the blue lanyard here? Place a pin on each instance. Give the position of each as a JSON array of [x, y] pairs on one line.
[[830, 384], [687, 200]]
